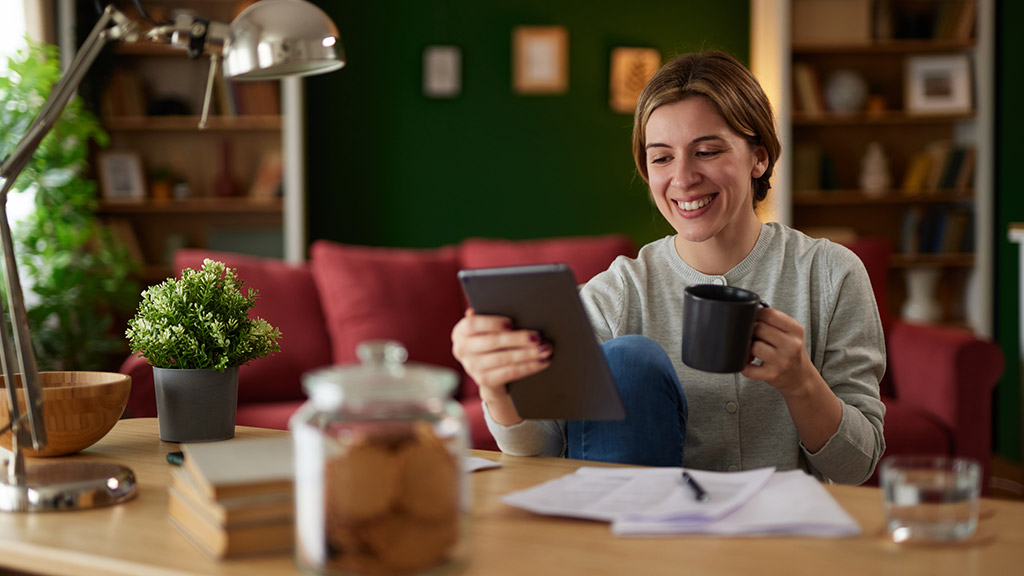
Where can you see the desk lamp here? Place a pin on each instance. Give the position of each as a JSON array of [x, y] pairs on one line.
[[269, 39]]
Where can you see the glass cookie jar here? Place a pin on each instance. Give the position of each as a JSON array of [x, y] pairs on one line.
[[379, 482]]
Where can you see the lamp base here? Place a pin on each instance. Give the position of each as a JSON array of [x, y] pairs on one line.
[[68, 486]]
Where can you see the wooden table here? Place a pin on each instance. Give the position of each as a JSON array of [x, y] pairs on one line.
[[135, 538]]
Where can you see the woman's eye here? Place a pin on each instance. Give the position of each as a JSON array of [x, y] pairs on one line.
[[659, 160], [707, 153]]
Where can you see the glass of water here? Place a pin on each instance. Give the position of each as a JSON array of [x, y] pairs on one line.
[[930, 498]]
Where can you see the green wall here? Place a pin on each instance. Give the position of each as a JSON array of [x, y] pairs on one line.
[[388, 166], [1009, 208]]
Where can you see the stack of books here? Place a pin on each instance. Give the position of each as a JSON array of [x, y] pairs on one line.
[[235, 497]]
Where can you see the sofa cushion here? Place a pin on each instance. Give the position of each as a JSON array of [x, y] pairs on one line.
[[586, 255], [288, 301], [403, 294]]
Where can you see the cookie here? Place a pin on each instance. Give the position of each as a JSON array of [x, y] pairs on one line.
[[360, 484]]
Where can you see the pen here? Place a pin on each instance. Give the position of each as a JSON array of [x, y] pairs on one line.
[[698, 490]]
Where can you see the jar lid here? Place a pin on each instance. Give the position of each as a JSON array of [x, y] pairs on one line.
[[382, 374]]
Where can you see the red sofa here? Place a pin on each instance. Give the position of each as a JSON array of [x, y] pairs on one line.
[[937, 389], [348, 294], [938, 384]]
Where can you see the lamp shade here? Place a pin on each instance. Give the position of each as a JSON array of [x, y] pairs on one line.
[[278, 38]]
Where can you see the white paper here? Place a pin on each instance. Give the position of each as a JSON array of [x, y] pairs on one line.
[[655, 501], [792, 503], [611, 494], [475, 463]]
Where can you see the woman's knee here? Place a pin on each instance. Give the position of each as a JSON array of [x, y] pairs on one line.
[[634, 353]]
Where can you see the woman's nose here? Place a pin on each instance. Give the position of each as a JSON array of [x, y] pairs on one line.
[[685, 175]]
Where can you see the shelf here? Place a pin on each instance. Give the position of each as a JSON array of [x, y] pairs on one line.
[[195, 206], [885, 47], [861, 120], [941, 260], [857, 198], [191, 124]]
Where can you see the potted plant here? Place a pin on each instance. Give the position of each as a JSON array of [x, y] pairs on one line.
[[196, 331]]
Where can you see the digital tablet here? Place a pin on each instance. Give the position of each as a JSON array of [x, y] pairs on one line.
[[578, 384]]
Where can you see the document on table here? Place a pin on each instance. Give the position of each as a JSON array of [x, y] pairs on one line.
[[655, 501]]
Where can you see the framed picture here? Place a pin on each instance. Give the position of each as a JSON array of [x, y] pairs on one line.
[[540, 59], [121, 176], [938, 84], [442, 71], [631, 68]]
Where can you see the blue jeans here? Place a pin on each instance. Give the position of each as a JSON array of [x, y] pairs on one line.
[[654, 430]]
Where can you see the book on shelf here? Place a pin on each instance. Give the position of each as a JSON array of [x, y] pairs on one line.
[[258, 98], [936, 230], [124, 95], [809, 97], [266, 184], [940, 166]]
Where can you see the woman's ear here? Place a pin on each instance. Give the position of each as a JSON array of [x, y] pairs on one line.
[[760, 162]]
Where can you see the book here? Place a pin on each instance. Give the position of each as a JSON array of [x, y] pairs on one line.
[[241, 467], [809, 97], [220, 541], [227, 512], [267, 183]]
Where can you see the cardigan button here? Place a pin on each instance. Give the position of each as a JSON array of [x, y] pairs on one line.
[[731, 407]]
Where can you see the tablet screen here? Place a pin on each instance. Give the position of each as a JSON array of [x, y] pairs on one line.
[[578, 384]]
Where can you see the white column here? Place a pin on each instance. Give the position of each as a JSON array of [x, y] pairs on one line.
[[770, 63], [294, 154]]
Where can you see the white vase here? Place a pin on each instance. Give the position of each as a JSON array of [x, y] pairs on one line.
[[921, 304]]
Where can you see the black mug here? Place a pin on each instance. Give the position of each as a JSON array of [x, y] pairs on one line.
[[718, 327]]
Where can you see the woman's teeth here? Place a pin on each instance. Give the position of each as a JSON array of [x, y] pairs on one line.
[[695, 204]]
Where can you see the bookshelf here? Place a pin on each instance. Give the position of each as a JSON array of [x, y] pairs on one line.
[[216, 187], [909, 77]]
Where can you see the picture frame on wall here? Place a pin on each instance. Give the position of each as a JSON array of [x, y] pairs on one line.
[[540, 59], [938, 84], [442, 71], [631, 68], [121, 176]]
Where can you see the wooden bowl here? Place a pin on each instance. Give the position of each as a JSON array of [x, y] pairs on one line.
[[79, 408]]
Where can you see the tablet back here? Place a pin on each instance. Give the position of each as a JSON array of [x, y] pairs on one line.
[[578, 384]]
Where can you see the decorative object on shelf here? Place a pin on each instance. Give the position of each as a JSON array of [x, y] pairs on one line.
[[938, 84], [631, 68], [121, 176], [846, 91], [540, 59], [270, 39], [875, 179], [921, 304], [196, 325]]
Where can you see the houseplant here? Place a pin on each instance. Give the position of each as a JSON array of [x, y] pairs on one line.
[[196, 331], [77, 275]]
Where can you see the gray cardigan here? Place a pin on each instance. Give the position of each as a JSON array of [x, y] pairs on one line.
[[736, 423]]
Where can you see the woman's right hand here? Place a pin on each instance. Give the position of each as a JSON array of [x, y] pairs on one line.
[[494, 354]]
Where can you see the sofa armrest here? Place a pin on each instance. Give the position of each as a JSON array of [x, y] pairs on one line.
[[142, 399], [950, 373]]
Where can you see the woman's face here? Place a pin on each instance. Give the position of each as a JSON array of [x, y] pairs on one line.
[[701, 172]]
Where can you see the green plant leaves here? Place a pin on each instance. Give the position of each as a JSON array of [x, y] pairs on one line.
[[78, 272], [201, 321]]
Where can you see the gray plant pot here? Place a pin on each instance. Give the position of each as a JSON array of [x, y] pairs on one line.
[[196, 405]]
